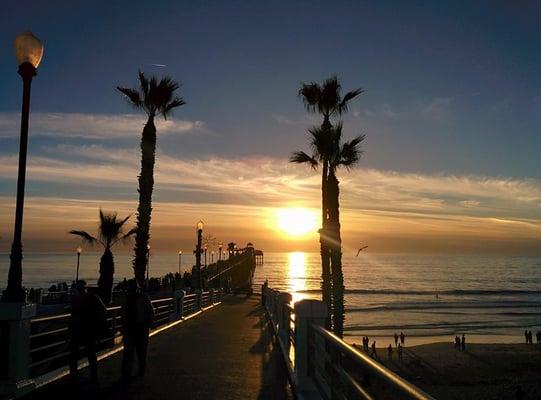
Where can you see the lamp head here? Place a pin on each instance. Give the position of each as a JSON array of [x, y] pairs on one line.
[[79, 250], [28, 49], [200, 225]]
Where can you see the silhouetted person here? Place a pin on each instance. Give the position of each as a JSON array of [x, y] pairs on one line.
[[519, 393], [264, 292], [463, 343], [87, 322], [457, 342], [538, 337], [526, 336], [396, 339], [374, 354], [138, 316], [530, 337], [400, 351], [402, 338], [390, 352]]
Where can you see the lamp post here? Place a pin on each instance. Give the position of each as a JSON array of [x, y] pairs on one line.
[[220, 251], [179, 261], [79, 251], [148, 262], [198, 253], [205, 255], [28, 52], [212, 257]]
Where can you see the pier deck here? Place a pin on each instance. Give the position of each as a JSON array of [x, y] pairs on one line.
[[224, 353]]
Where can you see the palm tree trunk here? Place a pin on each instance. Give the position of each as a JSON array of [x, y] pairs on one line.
[[335, 240], [144, 210], [107, 271], [326, 286]]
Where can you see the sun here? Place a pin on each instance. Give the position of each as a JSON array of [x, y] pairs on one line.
[[296, 221]]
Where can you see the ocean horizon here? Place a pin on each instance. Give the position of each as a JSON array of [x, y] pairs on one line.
[[431, 298]]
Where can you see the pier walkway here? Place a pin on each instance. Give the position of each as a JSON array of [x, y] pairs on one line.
[[227, 352]]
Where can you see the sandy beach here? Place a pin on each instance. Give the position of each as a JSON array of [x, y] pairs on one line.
[[483, 371]]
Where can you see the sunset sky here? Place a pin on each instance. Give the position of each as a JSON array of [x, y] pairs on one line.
[[451, 111]]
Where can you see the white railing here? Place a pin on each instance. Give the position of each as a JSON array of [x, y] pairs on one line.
[[323, 366]]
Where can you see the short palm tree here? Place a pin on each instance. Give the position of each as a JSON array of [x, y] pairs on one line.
[[154, 97], [326, 100], [328, 149], [110, 232]]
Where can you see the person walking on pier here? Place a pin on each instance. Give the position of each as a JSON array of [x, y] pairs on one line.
[[463, 343], [395, 339], [87, 322], [138, 316], [402, 339], [390, 352]]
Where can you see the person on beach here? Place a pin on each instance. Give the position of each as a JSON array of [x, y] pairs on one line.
[[400, 351], [390, 352], [402, 338], [457, 342], [395, 339], [538, 337], [463, 343], [374, 354], [530, 336], [87, 322], [526, 336], [138, 315]]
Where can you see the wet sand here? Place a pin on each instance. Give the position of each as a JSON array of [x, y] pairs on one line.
[[483, 371]]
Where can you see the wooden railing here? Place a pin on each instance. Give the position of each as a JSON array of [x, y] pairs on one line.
[[323, 366], [49, 336]]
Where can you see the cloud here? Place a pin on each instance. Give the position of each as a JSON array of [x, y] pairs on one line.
[[92, 126], [247, 189]]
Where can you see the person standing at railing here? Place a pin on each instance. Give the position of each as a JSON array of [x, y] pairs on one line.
[[138, 316], [87, 322]]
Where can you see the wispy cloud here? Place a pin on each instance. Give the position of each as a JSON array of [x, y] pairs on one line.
[[92, 126]]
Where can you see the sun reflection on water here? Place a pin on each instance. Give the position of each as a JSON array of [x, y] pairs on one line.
[[296, 275]]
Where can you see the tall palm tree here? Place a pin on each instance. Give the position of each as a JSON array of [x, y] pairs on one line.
[[326, 100], [154, 97], [327, 148], [110, 232]]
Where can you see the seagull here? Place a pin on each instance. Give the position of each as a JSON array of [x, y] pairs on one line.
[[361, 249]]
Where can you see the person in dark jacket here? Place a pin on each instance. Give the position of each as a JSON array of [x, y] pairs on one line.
[[87, 322], [138, 316]]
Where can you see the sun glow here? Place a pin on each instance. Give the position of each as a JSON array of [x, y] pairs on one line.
[[296, 221]]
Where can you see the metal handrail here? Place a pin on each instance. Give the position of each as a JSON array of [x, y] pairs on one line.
[[365, 362]]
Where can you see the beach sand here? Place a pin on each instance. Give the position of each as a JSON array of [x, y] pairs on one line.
[[483, 371]]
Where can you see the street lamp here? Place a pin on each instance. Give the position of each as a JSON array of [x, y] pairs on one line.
[[28, 52], [205, 255], [198, 253], [179, 260], [79, 251], [220, 251], [212, 257]]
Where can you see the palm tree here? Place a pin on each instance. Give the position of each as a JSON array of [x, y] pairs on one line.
[[327, 148], [327, 100], [110, 232], [155, 98]]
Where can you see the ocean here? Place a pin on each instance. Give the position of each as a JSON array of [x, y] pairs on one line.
[[431, 298]]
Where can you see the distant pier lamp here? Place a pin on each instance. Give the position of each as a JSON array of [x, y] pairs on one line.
[[179, 260], [197, 252], [79, 251], [28, 52], [212, 257], [220, 245]]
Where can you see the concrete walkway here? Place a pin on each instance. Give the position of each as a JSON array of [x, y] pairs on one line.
[[224, 353]]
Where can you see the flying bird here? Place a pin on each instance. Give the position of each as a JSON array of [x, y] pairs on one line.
[[159, 65], [361, 249]]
